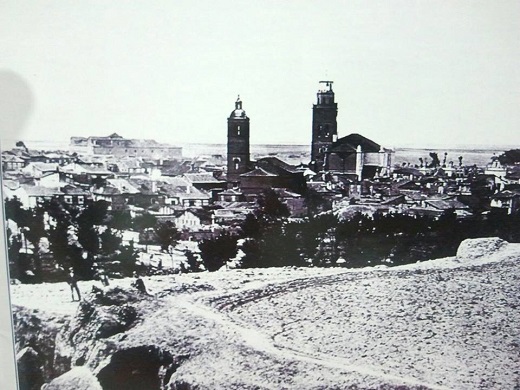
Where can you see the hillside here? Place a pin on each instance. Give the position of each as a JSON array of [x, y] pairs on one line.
[[448, 323]]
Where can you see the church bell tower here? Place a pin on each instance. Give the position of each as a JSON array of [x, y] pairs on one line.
[[324, 125], [237, 143]]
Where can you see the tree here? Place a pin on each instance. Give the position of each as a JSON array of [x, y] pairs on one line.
[[20, 144], [127, 258], [120, 220], [167, 235], [217, 251], [270, 207], [144, 221], [96, 213], [193, 261], [251, 249], [110, 241], [88, 238], [435, 160], [510, 157], [251, 227], [315, 202], [14, 211]]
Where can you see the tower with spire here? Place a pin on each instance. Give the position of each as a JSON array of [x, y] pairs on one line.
[[238, 156], [324, 125]]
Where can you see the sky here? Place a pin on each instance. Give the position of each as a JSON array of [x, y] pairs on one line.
[[406, 73]]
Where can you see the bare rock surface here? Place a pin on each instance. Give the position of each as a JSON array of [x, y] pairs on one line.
[[443, 324], [473, 249], [78, 378]]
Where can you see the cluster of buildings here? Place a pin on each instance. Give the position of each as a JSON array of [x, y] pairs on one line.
[[348, 174]]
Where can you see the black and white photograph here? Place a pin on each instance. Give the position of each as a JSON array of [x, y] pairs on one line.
[[294, 195]]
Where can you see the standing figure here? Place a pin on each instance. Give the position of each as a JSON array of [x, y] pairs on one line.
[[73, 283], [139, 284]]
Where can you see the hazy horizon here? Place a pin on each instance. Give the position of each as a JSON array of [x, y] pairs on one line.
[[64, 144]]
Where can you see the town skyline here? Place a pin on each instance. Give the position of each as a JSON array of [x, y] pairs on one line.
[[439, 74]]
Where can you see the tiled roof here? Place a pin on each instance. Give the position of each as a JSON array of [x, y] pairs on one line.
[[258, 172], [201, 178], [11, 158], [446, 204], [44, 167], [41, 191], [107, 191], [231, 191], [194, 194], [71, 190], [123, 185], [506, 195]]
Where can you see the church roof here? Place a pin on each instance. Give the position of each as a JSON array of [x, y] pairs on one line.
[[351, 142], [275, 165], [258, 172]]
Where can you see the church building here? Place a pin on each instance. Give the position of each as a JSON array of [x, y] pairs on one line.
[[353, 156], [253, 177]]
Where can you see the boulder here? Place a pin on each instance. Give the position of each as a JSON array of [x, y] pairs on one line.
[[78, 378], [476, 248]]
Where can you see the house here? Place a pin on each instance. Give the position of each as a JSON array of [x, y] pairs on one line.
[[83, 173], [129, 166], [12, 163], [149, 192], [205, 181], [231, 195], [435, 207], [32, 196], [192, 219], [57, 158], [163, 210], [232, 212], [75, 196], [38, 169], [193, 198], [271, 172], [111, 195], [49, 179], [409, 173], [294, 202], [446, 204], [508, 200]]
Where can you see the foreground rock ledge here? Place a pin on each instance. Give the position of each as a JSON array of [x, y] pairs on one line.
[[447, 323]]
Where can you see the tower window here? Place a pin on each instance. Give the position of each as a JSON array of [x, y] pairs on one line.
[[236, 161], [238, 130]]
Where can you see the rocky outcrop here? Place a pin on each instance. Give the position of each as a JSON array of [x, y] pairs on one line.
[[477, 248], [101, 315], [30, 369], [78, 378], [36, 335]]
